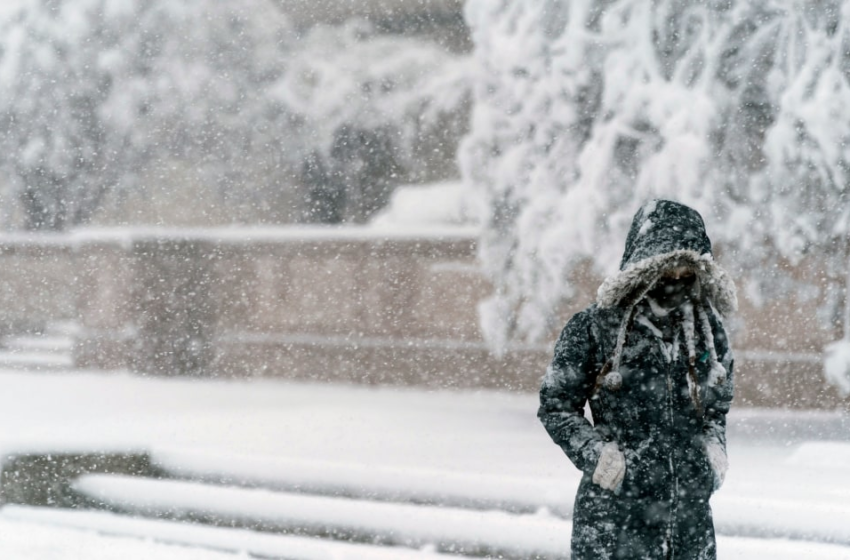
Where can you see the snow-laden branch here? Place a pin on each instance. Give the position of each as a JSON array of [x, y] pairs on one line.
[[588, 108]]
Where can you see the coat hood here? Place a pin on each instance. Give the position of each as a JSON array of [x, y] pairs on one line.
[[664, 235]]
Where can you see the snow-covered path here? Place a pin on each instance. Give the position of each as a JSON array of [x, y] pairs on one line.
[[788, 474]]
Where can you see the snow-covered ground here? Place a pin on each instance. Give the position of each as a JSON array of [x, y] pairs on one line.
[[788, 477]]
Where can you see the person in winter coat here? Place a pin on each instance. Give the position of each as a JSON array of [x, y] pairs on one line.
[[652, 359]]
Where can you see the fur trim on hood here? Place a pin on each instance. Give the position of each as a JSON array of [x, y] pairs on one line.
[[638, 278]]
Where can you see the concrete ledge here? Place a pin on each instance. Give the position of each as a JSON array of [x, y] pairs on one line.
[[93, 350], [423, 365]]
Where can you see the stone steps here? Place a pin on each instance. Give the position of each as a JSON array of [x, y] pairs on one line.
[[49, 350], [442, 529], [143, 500], [278, 508]]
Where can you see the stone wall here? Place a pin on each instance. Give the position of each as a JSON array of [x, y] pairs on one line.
[[296, 302], [36, 281], [332, 305]]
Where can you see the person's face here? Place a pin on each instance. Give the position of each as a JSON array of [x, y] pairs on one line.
[[673, 286], [679, 273]]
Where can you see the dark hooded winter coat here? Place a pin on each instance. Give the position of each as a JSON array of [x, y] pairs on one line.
[[658, 387]]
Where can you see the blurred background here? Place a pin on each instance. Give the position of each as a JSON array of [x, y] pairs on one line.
[[323, 249], [425, 189]]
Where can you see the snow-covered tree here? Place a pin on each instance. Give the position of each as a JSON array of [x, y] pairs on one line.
[[378, 110], [585, 109], [805, 184], [95, 90], [109, 99]]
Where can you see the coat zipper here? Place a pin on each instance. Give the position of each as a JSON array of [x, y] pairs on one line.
[[670, 553]]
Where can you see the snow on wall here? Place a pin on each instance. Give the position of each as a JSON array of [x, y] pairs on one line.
[[432, 206], [837, 365]]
